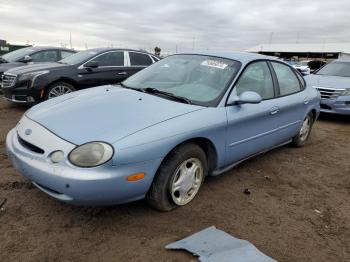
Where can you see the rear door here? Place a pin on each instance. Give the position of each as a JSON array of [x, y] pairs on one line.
[[252, 128], [292, 99], [111, 70]]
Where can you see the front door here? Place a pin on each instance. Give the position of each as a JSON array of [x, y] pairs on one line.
[[111, 70], [252, 128]]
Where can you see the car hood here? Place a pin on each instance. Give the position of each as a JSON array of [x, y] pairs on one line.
[[6, 66], [328, 81], [106, 113], [36, 67]]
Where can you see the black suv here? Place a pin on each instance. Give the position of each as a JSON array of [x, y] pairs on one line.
[[25, 56], [35, 83]]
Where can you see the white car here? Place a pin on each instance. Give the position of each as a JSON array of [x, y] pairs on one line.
[[303, 67]]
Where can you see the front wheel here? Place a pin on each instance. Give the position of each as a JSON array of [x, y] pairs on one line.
[[59, 89], [304, 133], [179, 178]]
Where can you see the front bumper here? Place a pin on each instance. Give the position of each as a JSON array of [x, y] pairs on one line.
[[103, 185], [22, 94], [340, 105]]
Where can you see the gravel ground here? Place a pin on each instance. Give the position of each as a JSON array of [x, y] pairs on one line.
[[298, 209]]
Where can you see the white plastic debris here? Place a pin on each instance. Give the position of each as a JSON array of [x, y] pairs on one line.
[[212, 245]]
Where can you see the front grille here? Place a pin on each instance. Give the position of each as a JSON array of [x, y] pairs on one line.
[[30, 146], [329, 93], [8, 80]]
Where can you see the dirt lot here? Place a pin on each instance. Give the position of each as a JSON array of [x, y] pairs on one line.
[[279, 216]]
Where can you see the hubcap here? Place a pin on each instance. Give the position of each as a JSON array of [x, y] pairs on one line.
[[58, 91], [305, 129], [187, 180]]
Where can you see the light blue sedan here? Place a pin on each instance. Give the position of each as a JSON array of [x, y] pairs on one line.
[[163, 130], [333, 82]]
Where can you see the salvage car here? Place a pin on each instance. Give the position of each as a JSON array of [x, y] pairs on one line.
[[94, 67], [28, 55], [333, 82], [159, 133]]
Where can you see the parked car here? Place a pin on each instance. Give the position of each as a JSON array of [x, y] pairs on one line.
[[26, 56], [302, 67], [36, 83], [163, 130], [333, 82], [315, 65]]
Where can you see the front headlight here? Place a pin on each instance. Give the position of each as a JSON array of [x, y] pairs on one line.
[[91, 154], [30, 76], [346, 92]]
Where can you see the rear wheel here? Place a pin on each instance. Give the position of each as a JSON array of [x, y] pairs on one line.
[[59, 89], [179, 178], [305, 131]]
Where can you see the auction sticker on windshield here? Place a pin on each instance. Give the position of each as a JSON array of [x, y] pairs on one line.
[[214, 63]]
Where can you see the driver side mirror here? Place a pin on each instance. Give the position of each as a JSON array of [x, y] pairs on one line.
[[91, 64], [247, 97], [26, 59]]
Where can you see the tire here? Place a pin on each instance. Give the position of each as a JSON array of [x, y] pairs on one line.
[[58, 89], [163, 194], [304, 134]]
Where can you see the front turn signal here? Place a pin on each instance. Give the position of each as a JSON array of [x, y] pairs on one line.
[[136, 177]]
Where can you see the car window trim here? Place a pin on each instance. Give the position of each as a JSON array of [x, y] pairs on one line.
[[232, 88], [302, 87], [112, 51]]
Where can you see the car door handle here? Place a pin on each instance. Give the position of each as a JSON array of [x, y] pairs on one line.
[[274, 110], [122, 73], [306, 101]]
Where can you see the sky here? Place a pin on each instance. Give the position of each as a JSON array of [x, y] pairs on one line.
[[173, 25]]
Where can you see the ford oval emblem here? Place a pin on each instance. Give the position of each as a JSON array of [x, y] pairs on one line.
[[28, 132]]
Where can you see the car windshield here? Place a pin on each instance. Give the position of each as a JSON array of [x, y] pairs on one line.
[[78, 57], [17, 54], [336, 69], [200, 79]]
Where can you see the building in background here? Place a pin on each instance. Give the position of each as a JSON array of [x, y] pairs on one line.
[[6, 47], [325, 51]]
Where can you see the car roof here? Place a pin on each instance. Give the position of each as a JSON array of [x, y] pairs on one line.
[[39, 48], [104, 49], [243, 57]]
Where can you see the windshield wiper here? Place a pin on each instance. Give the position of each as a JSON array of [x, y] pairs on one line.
[[152, 90], [132, 88]]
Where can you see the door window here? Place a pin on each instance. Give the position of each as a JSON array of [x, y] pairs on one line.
[[45, 56], [287, 80], [110, 59], [257, 78], [138, 59], [65, 54]]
